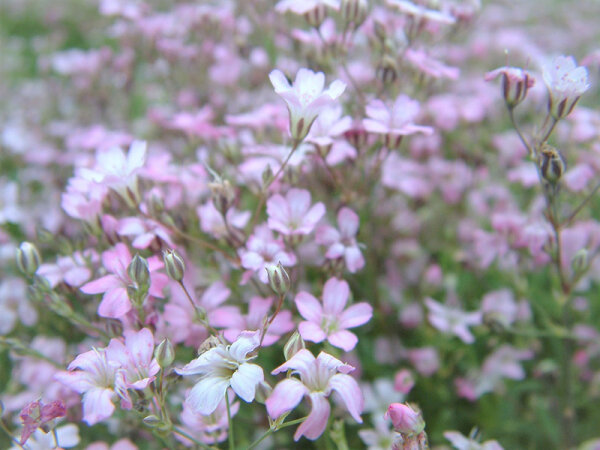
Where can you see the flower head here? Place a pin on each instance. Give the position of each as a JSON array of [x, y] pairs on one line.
[[318, 378], [293, 215], [221, 367], [453, 320], [342, 243], [515, 83], [329, 320], [305, 98], [566, 83]]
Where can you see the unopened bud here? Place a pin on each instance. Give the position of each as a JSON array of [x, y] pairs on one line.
[[174, 265], [28, 258], [164, 353], [405, 419], [223, 195], [153, 421], [316, 16], [294, 344], [139, 272], [354, 11], [580, 262], [263, 391], [552, 164], [279, 280], [387, 72]]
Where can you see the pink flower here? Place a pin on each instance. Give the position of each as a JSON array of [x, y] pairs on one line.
[[293, 215], [405, 419], [36, 415], [221, 367], [342, 243], [330, 321], [566, 83], [430, 66], [144, 232], [453, 320], [318, 378], [515, 83], [263, 249], [305, 98], [135, 358], [71, 270], [115, 301], [394, 122]]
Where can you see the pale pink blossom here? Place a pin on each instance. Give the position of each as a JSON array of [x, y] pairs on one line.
[[430, 66], [453, 320], [293, 215], [67, 436], [330, 320], [135, 358], [318, 378], [566, 82], [342, 243], [144, 232], [71, 270], [460, 442], [301, 7], [115, 301], [221, 367], [306, 98], [515, 83]]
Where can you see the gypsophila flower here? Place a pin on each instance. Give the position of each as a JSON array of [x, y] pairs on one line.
[[566, 83]]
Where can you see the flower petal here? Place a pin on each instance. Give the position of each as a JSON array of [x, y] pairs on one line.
[[245, 379], [285, 397], [343, 339], [310, 331], [315, 423], [335, 296], [206, 395], [350, 393], [356, 315], [309, 307]]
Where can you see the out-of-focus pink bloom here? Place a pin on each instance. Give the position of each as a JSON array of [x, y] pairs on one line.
[[121, 444], [394, 122], [500, 307], [36, 414], [404, 381], [430, 66], [67, 436], [328, 125], [144, 232], [406, 176], [14, 305], [318, 378], [425, 360], [209, 429], [342, 243], [211, 220], [329, 320], [223, 366], [263, 249], [292, 215], [71, 269], [515, 83], [566, 83], [258, 309], [305, 98], [453, 320], [83, 197], [115, 301], [405, 419], [578, 177], [460, 442]]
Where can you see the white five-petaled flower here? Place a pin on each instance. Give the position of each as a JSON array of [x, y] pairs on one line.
[[223, 366], [566, 83], [305, 98]]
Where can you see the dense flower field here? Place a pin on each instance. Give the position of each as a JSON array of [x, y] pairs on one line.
[[329, 224]]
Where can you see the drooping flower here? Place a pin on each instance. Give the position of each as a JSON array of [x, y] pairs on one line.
[[394, 122], [115, 301], [305, 98], [342, 243], [453, 320], [221, 367], [566, 83], [515, 83], [292, 215], [329, 320], [318, 378]]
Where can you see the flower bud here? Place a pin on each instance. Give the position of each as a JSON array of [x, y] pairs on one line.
[[263, 391], [316, 16], [294, 344], [552, 164], [153, 421], [139, 272], [174, 265], [405, 419], [164, 353], [580, 262], [279, 280], [387, 72], [354, 11], [223, 194], [28, 258]]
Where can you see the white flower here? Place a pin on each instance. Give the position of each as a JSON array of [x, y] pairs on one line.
[[566, 83], [305, 98], [223, 366]]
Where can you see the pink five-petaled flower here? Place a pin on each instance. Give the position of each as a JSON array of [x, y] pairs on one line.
[[115, 301], [318, 377], [453, 320], [330, 321], [223, 366], [566, 83], [394, 122], [515, 83], [305, 98], [342, 243], [292, 215], [35, 415]]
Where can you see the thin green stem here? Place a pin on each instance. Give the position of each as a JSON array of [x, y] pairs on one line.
[[7, 431], [518, 130], [182, 433], [230, 434], [198, 313], [273, 429], [577, 210]]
